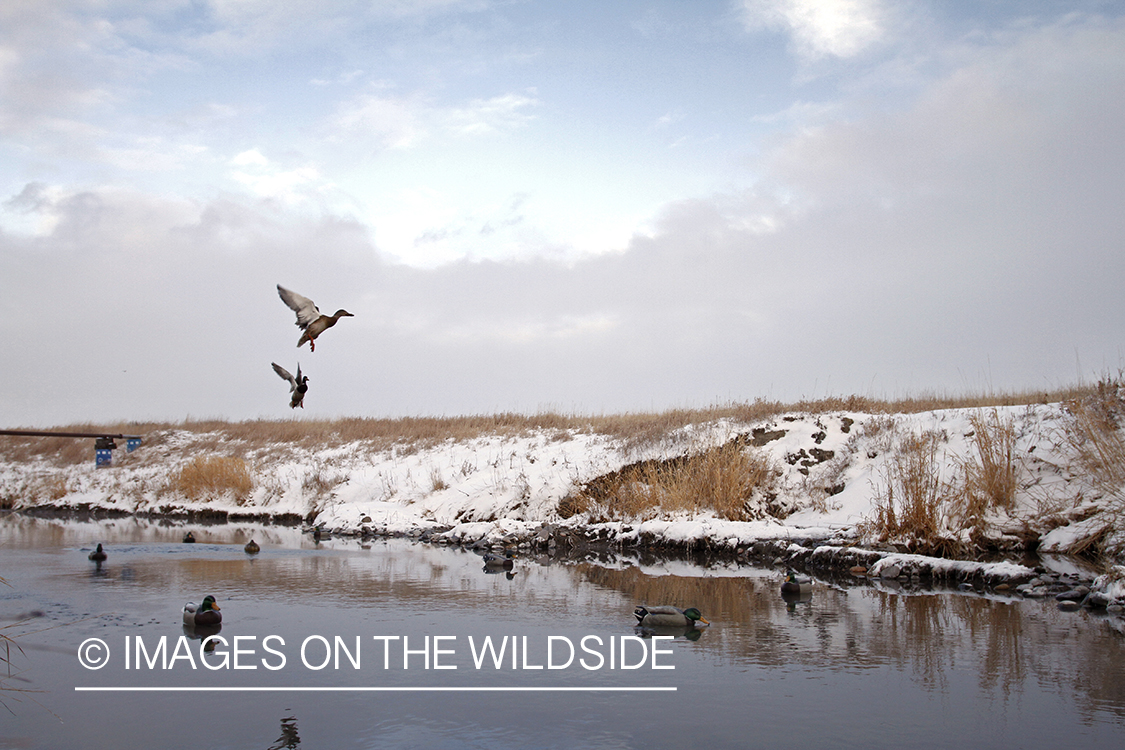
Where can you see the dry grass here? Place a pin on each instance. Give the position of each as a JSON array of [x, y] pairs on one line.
[[731, 480], [991, 474], [1093, 431], [634, 430], [910, 505], [206, 476]]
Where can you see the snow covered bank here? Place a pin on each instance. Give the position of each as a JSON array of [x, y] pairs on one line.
[[831, 475]]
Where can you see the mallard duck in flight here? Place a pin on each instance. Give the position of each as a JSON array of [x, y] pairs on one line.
[[206, 613], [298, 386], [309, 318], [668, 617]]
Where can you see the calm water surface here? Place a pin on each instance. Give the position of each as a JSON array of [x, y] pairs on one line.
[[851, 667]]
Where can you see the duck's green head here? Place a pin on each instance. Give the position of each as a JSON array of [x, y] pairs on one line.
[[792, 577], [694, 614], [208, 603]]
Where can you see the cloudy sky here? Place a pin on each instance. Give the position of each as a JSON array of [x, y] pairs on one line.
[[528, 205]]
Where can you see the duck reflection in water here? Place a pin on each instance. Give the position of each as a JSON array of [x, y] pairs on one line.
[[687, 632], [202, 633], [289, 738], [793, 598]]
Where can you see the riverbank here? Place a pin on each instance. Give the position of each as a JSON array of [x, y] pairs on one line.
[[969, 484]]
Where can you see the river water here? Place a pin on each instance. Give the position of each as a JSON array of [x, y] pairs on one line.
[[340, 644]]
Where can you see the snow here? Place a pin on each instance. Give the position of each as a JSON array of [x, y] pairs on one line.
[[832, 468]]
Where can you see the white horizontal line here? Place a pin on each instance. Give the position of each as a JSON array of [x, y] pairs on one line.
[[222, 689]]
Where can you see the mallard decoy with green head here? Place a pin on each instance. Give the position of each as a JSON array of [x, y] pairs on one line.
[[795, 584], [666, 616], [189, 538], [252, 548], [98, 555], [298, 386], [492, 561], [206, 613], [309, 318]]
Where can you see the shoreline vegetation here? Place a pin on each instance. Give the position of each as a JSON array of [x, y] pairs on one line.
[[966, 478]]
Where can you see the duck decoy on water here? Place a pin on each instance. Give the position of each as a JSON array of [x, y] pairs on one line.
[[795, 584], [98, 555], [189, 538], [298, 386], [206, 613], [252, 548], [309, 318], [492, 561], [668, 617]]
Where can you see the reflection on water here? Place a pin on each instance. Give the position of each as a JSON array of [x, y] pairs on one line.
[[868, 666], [289, 738]]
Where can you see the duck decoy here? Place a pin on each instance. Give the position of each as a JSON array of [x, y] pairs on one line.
[[492, 561], [252, 548], [795, 584], [668, 617], [98, 555], [309, 318], [298, 386], [206, 613], [189, 538]]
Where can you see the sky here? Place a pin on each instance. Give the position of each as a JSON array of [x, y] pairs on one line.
[[584, 207]]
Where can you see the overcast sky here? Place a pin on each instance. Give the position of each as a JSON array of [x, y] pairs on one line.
[[579, 206]]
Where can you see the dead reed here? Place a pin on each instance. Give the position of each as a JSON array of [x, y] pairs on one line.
[[910, 504], [731, 480], [207, 476], [991, 473], [1093, 432]]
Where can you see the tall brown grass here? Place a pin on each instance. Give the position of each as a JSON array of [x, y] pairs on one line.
[[991, 473], [910, 504], [723, 479], [1093, 431], [206, 476]]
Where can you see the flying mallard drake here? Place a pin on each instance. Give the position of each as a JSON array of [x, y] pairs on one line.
[[309, 318], [206, 613], [98, 555], [252, 548], [298, 386], [794, 584], [668, 617]]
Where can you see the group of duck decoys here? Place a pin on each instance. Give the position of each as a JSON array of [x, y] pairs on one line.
[[312, 323], [204, 615]]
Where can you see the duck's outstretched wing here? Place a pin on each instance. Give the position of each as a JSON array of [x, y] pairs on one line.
[[306, 311], [286, 375]]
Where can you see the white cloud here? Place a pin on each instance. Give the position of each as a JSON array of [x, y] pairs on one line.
[[820, 28], [267, 179], [486, 116]]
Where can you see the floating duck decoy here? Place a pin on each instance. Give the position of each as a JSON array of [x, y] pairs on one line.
[[668, 617], [206, 613], [795, 584], [189, 538], [298, 386], [98, 555], [252, 548], [492, 561], [309, 318]]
